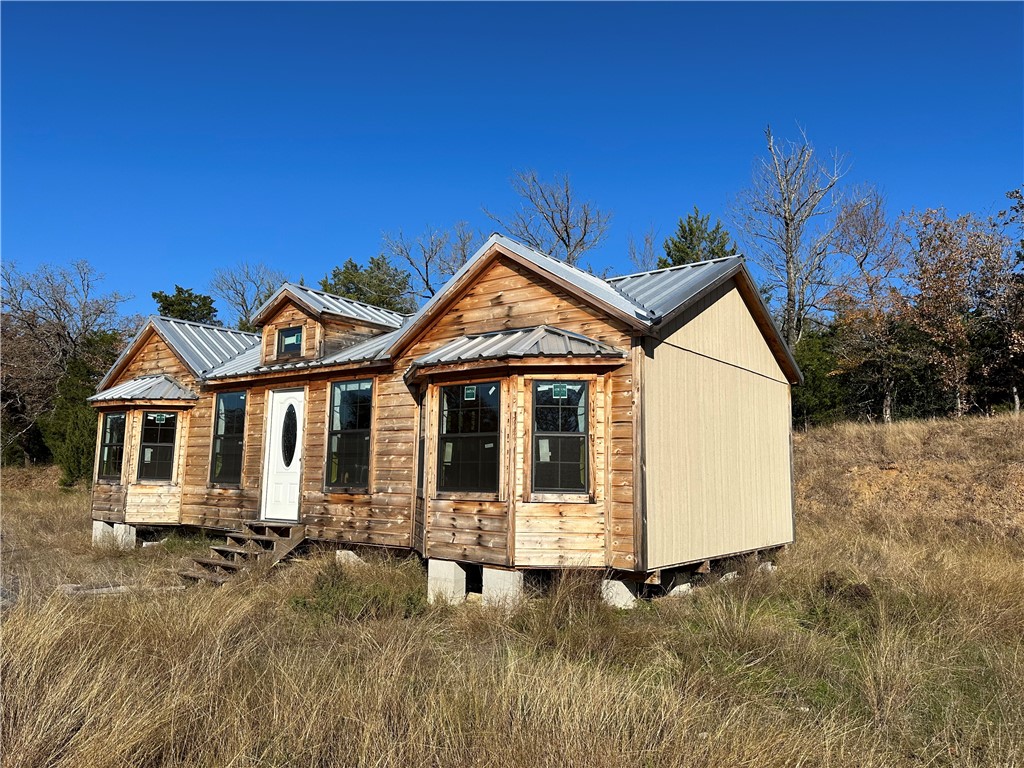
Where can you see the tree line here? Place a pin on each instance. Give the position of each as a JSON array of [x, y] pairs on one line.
[[913, 315]]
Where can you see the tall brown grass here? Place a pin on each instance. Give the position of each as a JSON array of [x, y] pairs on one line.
[[891, 635]]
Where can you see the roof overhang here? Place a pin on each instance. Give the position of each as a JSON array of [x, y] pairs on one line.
[[286, 294], [417, 373]]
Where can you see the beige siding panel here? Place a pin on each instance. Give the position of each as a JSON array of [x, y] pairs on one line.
[[721, 327], [718, 459]]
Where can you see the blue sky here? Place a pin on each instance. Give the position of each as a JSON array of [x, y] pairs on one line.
[[159, 141]]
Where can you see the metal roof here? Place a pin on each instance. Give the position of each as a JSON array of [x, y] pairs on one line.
[[539, 341], [201, 347], [321, 302], [661, 291], [249, 362], [156, 387]]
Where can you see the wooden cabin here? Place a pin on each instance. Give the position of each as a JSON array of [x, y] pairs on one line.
[[529, 416]]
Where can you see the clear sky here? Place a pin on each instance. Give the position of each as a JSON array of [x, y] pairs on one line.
[[159, 141]]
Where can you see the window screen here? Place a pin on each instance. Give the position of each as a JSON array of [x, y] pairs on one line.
[[156, 457], [348, 436], [228, 436], [560, 436], [468, 444], [112, 446]]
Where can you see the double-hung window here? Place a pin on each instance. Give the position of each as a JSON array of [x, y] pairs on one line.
[[348, 435], [228, 436], [468, 444], [156, 454], [560, 437], [112, 446]]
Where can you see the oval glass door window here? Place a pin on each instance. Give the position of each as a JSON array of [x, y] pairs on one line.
[[289, 430]]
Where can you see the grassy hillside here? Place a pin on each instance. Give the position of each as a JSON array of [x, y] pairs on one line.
[[892, 635]]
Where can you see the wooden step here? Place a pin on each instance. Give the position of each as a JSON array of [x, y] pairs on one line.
[[232, 550], [269, 524], [253, 537], [198, 575], [215, 562]]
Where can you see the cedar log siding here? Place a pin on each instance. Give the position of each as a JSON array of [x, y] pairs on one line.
[[511, 529], [144, 502], [717, 436]]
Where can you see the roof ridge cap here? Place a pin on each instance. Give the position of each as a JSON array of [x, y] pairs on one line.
[[344, 298], [223, 328]]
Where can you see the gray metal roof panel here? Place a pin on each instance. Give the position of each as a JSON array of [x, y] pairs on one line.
[[201, 347], [663, 290], [156, 387], [204, 347], [248, 363], [322, 302], [538, 341]]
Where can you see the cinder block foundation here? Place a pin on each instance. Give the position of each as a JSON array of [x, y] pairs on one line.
[[502, 587], [115, 535], [618, 594], [446, 581], [347, 557]]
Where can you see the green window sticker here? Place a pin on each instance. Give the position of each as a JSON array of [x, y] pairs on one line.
[[469, 392], [558, 391]]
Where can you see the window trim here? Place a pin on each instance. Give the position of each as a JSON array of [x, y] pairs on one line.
[[213, 438], [587, 495], [436, 492], [174, 451], [117, 479], [355, 490], [280, 352]]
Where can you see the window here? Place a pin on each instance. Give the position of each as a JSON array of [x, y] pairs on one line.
[[112, 446], [156, 458], [560, 436], [289, 341], [348, 434], [468, 445], [228, 434]]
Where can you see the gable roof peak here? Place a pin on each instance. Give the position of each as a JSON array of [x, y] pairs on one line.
[[321, 302]]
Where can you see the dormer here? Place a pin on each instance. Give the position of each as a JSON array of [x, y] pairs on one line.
[[300, 323]]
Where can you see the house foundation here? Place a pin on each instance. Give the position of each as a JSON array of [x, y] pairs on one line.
[[115, 535], [501, 587], [446, 581]]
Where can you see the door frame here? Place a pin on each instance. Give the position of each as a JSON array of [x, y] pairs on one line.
[[267, 445]]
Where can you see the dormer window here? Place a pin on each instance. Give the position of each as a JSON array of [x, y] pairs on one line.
[[289, 341]]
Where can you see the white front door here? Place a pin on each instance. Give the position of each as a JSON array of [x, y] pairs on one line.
[[282, 463]]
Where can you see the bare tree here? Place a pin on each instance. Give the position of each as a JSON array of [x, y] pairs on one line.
[[434, 256], [643, 254], [869, 302], [788, 219], [244, 287], [50, 317], [551, 218]]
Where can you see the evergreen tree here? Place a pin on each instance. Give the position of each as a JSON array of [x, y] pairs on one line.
[[70, 429], [696, 241], [379, 283], [186, 304]]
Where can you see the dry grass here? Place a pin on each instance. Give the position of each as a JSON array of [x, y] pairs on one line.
[[892, 635]]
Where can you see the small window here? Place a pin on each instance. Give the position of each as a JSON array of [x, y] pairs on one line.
[[289, 341], [156, 456], [560, 437], [468, 444], [228, 436], [112, 446], [348, 435]]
